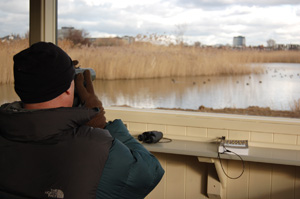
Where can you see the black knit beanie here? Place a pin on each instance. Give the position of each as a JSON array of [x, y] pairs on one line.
[[42, 72]]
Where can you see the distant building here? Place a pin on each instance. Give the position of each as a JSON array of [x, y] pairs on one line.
[[64, 32], [239, 42], [9, 38], [128, 39], [293, 46], [280, 47]]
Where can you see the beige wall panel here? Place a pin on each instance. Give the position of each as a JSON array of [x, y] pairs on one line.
[[237, 188], [239, 135], [204, 120], [283, 182], [214, 133], [183, 125], [261, 123], [285, 139], [196, 132], [157, 127], [175, 178], [185, 178], [273, 127], [176, 130], [138, 127], [260, 181], [261, 137], [196, 179]]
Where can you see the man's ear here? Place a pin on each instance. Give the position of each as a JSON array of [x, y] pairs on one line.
[[70, 89], [68, 92]]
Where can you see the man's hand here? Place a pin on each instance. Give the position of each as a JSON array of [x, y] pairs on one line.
[[89, 99]]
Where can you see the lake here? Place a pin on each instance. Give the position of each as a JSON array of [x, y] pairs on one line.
[[278, 88]]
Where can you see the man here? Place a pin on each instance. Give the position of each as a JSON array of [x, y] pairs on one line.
[[49, 149]]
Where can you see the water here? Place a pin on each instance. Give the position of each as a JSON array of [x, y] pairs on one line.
[[278, 89]]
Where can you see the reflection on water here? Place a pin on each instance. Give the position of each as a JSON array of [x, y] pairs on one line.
[[277, 89]]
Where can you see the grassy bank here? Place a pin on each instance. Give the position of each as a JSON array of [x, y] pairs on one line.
[[150, 61]]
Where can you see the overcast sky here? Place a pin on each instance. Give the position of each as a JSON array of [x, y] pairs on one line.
[[207, 21]]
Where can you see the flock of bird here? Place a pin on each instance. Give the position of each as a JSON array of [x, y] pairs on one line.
[[275, 73]]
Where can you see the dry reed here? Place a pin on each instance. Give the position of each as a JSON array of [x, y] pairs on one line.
[[7, 51], [296, 106], [143, 60], [150, 61]]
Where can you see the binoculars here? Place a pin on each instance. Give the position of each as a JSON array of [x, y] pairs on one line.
[[76, 102], [81, 70], [150, 136]]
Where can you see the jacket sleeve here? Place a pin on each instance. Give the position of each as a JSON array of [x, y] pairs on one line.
[[131, 171]]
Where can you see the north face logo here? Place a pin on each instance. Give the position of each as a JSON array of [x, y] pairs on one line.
[[55, 193]]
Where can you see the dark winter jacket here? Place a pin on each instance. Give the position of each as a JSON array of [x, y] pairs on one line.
[[50, 153]]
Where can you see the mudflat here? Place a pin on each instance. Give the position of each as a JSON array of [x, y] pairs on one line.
[[251, 110]]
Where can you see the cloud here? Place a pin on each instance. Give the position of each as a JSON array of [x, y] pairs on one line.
[[207, 21], [298, 12], [133, 19], [14, 6], [221, 4], [211, 26], [14, 17]]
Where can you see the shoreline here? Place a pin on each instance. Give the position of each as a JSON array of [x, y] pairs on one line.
[[251, 110]]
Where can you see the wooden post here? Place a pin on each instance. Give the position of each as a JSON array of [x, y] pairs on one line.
[[43, 21]]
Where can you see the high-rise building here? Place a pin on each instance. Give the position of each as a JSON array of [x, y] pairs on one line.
[[239, 42]]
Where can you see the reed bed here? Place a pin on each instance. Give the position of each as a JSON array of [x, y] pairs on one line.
[[282, 56], [139, 61], [7, 51], [143, 60], [296, 106]]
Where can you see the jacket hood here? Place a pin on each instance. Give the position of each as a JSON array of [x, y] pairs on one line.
[[19, 124]]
